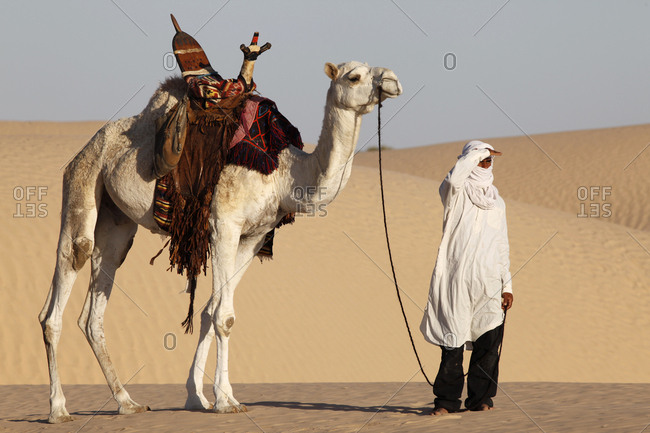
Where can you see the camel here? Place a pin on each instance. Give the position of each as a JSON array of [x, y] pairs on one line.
[[108, 191]]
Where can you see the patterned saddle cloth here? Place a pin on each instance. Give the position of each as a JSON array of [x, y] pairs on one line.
[[262, 133]]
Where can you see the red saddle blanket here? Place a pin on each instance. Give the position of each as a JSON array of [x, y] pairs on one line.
[[262, 134]]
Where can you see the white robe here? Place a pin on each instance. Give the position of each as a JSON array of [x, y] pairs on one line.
[[472, 269]]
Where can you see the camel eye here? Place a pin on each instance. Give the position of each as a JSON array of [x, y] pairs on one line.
[[354, 78]]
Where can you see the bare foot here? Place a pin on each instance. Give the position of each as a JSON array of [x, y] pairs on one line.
[[438, 411], [485, 407]]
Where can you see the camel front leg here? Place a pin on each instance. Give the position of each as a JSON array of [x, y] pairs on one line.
[[224, 320], [194, 385], [225, 277], [225, 401], [195, 397]]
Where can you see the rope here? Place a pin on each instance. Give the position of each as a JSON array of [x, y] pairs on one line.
[[390, 255]]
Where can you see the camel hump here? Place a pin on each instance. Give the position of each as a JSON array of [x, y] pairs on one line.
[[176, 26]]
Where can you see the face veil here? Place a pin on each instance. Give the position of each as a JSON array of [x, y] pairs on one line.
[[479, 185]]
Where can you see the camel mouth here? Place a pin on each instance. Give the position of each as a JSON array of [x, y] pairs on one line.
[[390, 88]]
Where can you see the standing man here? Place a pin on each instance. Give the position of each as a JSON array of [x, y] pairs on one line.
[[470, 287]]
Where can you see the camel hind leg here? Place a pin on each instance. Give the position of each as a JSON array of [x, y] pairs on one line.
[[113, 238], [76, 239]]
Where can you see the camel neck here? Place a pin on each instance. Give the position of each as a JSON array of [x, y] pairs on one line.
[[335, 151]]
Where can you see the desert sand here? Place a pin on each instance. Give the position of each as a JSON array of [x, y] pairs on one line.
[[319, 341], [522, 407]]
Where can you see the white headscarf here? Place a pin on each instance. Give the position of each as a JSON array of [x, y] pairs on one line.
[[479, 186]]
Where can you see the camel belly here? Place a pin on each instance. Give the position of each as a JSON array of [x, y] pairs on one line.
[[129, 181]]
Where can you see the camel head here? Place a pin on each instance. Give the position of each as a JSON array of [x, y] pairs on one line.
[[355, 86]]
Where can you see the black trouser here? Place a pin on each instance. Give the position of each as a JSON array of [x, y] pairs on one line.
[[482, 376]]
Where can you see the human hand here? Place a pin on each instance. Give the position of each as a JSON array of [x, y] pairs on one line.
[[495, 152], [507, 301]]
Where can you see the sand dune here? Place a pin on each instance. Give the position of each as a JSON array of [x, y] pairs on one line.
[[325, 310], [552, 170]]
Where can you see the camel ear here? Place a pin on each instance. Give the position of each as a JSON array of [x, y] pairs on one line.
[[331, 70]]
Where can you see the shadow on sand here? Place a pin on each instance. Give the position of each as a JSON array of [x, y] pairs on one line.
[[343, 407]]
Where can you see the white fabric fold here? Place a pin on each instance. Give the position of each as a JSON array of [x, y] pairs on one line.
[[473, 265], [479, 186]]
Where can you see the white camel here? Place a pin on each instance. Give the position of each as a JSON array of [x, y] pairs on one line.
[[108, 191]]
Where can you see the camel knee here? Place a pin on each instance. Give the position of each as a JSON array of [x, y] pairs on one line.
[[51, 330], [82, 249], [225, 323], [74, 252]]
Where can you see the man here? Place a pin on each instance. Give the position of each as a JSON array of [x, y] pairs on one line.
[[470, 287]]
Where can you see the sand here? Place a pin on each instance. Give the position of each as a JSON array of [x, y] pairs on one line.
[[324, 311], [340, 407]]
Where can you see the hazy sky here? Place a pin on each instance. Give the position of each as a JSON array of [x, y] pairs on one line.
[[470, 69]]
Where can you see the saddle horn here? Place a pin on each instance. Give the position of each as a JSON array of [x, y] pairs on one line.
[[250, 56], [176, 26]]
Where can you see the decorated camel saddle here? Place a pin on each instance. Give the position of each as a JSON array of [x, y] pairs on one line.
[[219, 121]]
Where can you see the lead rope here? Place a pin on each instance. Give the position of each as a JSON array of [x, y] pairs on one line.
[[390, 255]]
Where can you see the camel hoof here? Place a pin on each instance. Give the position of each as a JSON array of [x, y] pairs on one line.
[[237, 408], [133, 408], [196, 403], [59, 419]]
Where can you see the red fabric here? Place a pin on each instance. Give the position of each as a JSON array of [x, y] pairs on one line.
[[210, 89], [263, 133]]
